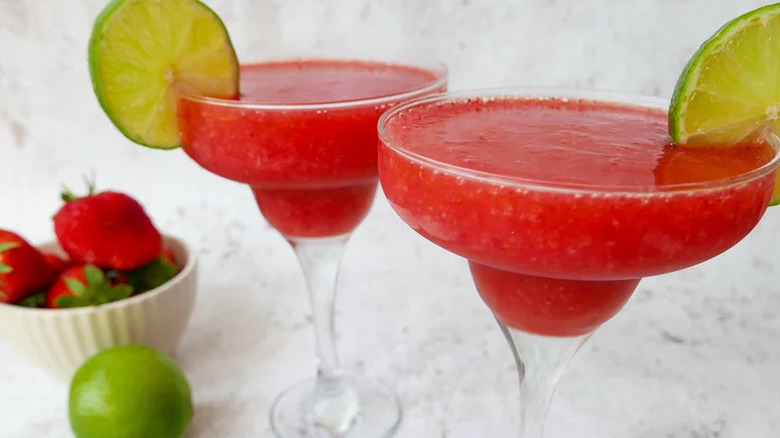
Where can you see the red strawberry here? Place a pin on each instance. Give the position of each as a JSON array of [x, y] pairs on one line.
[[84, 285], [57, 263], [23, 269], [110, 230]]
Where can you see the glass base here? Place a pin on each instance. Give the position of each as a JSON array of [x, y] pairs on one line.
[[372, 410]]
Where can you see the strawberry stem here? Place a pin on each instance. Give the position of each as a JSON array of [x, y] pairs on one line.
[[90, 181], [68, 196]]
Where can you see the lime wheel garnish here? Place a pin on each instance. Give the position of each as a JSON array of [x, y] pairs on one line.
[[145, 54]]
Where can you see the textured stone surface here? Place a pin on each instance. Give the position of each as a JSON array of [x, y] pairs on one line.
[[694, 355]]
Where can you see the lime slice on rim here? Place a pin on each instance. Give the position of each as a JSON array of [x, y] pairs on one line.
[[730, 89], [144, 54]]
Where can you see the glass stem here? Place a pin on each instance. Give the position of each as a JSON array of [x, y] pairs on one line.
[[335, 406], [541, 361]]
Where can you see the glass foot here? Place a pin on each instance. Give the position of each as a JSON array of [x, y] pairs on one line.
[[368, 409]]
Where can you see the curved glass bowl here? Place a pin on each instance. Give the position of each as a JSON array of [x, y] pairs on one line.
[[292, 145], [566, 231]]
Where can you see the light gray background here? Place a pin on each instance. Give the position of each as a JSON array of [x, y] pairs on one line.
[[695, 354]]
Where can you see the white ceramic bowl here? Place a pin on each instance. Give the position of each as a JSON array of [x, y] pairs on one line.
[[60, 340]]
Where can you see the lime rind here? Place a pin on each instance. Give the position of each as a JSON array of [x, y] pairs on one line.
[[140, 66], [688, 83]]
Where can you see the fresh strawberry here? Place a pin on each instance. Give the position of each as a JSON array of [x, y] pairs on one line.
[[23, 269], [154, 274], [57, 263], [84, 285], [109, 229]]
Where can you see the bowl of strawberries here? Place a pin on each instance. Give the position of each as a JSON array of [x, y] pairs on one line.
[[111, 278]]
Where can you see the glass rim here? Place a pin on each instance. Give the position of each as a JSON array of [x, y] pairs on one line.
[[601, 96], [433, 65]]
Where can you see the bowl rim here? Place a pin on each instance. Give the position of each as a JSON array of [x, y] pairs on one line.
[[186, 271]]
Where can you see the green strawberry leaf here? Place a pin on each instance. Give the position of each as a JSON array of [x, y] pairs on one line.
[[69, 302], [97, 291], [8, 245], [76, 286], [120, 292], [152, 275], [66, 301], [37, 301], [5, 269], [95, 276]]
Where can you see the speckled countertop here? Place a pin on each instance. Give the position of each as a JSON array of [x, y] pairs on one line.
[[694, 354]]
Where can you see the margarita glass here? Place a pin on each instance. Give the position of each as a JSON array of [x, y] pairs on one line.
[[562, 201], [303, 136]]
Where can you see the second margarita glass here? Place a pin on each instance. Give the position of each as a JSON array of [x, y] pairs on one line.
[[562, 201]]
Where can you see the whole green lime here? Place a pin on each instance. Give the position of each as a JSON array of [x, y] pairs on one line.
[[130, 392]]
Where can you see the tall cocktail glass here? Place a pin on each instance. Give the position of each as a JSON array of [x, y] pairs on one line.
[[562, 201], [303, 136]]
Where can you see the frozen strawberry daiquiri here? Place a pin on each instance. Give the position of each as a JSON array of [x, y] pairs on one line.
[[562, 202], [302, 135]]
